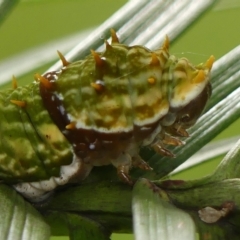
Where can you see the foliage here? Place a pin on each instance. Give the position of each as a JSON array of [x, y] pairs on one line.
[[168, 208]]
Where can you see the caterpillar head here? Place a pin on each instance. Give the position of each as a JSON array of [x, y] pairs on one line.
[[190, 93], [188, 115]]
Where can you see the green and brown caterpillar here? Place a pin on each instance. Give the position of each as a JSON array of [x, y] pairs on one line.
[[98, 111]]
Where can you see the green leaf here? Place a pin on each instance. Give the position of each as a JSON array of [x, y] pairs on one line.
[[5, 7], [208, 153], [156, 218], [18, 219], [217, 231], [216, 195], [229, 166]]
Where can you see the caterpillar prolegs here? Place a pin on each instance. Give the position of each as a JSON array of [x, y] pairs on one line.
[[97, 111]]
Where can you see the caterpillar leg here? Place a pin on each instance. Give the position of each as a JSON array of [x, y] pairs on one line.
[[123, 174], [138, 162], [40, 191], [160, 149], [124, 163]]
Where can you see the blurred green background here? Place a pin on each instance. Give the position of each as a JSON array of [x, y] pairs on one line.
[[36, 22]]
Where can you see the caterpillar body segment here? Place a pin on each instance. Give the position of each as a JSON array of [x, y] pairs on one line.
[[98, 111], [31, 148]]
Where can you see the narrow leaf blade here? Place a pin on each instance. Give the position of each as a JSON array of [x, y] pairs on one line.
[[18, 219], [156, 218]]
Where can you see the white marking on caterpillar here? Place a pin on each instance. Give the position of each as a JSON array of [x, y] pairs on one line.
[[39, 191]]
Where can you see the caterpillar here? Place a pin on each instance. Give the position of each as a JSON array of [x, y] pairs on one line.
[[98, 111]]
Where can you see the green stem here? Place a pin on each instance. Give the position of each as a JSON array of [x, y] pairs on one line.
[[108, 203]]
